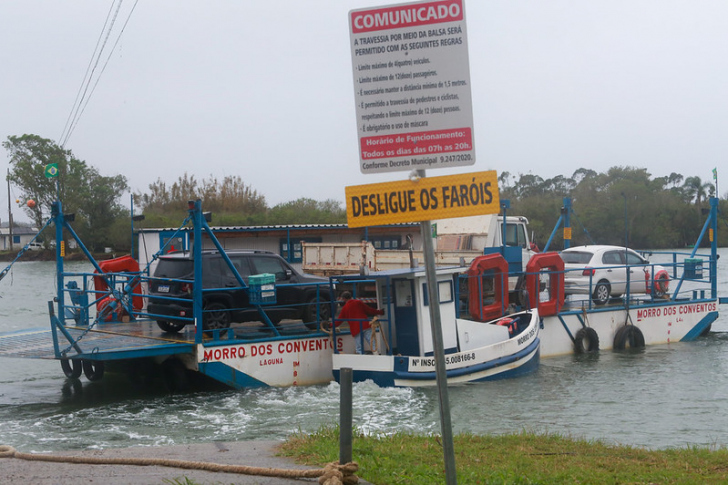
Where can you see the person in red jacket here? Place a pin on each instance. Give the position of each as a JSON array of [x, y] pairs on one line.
[[357, 313]]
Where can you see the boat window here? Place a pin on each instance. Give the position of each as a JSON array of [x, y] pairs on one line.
[[576, 257], [444, 291]]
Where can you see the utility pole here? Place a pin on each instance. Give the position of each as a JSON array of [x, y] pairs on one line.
[[10, 215]]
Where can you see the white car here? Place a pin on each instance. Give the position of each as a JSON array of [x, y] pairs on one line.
[[601, 271]]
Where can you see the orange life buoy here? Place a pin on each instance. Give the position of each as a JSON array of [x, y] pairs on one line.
[[105, 302], [555, 266], [507, 322], [124, 264], [661, 283], [488, 262]]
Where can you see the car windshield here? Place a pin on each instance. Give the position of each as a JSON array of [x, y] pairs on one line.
[[576, 257], [174, 268]]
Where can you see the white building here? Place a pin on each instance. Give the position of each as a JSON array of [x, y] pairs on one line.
[[21, 236], [284, 240]]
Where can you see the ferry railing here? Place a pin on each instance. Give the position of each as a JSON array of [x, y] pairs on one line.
[[710, 229], [689, 287], [83, 299], [119, 292], [309, 312], [78, 299]]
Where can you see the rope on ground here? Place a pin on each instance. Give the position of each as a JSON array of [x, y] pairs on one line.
[[331, 474]]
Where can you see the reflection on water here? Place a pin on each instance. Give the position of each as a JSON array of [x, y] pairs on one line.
[[663, 396]]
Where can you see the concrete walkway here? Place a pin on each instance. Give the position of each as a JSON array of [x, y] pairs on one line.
[[249, 453]]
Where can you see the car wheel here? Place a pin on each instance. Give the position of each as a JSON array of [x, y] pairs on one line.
[[216, 316], [324, 311], [170, 327], [601, 293]]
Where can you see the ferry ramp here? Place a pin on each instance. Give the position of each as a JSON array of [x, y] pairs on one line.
[[110, 341]]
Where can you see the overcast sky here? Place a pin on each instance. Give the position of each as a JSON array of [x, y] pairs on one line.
[[264, 89]]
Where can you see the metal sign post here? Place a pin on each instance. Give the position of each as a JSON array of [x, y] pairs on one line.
[[448, 447], [414, 111]]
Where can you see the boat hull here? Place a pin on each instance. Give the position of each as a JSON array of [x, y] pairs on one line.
[[510, 358], [659, 323], [277, 363]]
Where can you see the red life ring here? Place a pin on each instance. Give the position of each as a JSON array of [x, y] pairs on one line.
[[124, 264], [555, 265], [507, 322], [488, 262], [661, 283], [105, 302]]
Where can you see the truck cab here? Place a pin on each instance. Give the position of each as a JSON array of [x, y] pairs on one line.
[[484, 233]]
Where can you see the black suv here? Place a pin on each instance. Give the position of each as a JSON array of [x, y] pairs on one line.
[[224, 301]]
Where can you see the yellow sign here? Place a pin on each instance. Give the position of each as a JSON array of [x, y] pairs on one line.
[[567, 233], [425, 199]]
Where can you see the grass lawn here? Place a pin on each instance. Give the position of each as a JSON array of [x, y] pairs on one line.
[[523, 458]]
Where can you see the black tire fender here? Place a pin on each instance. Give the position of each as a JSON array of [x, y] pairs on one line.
[[586, 340], [93, 369], [72, 368], [629, 337]]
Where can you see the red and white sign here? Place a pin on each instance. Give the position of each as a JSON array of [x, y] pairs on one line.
[[412, 86]]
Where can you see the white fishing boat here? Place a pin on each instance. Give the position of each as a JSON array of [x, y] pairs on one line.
[[402, 351]]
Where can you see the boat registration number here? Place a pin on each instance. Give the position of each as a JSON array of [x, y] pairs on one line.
[[163, 288]]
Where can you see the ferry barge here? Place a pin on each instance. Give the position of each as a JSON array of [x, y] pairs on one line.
[[99, 319]]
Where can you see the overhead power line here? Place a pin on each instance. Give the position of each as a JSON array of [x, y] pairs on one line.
[[83, 96]]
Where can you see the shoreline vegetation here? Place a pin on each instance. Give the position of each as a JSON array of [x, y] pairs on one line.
[[620, 203], [50, 255], [517, 458]]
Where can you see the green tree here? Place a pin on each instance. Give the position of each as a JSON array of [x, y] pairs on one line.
[[528, 185], [307, 211], [29, 154], [230, 200], [102, 209], [695, 188], [82, 190], [657, 215]]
